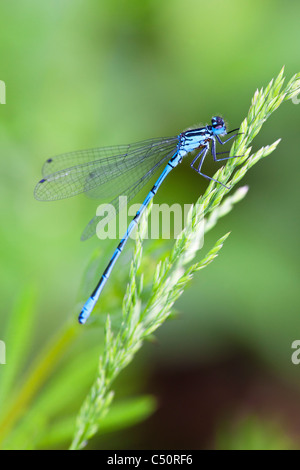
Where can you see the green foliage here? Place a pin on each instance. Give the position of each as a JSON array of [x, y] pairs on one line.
[[253, 433], [121, 415], [18, 335], [172, 274], [38, 416]]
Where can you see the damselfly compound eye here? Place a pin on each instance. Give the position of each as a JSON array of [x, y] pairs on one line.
[[217, 122]]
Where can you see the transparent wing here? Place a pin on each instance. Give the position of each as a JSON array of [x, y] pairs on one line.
[[70, 159], [101, 172], [118, 204]]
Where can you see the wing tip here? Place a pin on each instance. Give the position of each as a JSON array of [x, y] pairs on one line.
[[86, 235], [37, 190], [90, 230]]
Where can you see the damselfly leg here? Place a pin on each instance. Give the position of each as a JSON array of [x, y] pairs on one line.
[[198, 170]]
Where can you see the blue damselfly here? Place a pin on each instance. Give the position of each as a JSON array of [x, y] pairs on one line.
[[124, 170]]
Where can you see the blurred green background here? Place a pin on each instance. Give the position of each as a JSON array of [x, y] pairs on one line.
[[89, 73]]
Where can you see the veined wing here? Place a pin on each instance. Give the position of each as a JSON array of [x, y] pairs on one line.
[[79, 157], [130, 192], [101, 172]]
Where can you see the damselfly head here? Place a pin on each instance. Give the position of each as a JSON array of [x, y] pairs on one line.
[[218, 125]]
